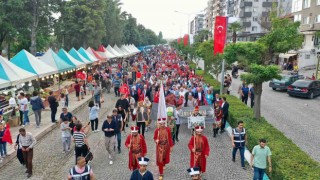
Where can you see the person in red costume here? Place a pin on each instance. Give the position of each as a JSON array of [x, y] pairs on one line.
[[164, 145], [137, 147], [199, 149]]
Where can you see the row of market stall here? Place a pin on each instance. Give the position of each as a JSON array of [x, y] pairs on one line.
[[24, 67]]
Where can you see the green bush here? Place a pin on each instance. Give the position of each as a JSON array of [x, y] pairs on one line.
[[288, 160]]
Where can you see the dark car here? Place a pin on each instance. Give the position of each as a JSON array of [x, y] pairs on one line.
[[284, 82], [305, 88]]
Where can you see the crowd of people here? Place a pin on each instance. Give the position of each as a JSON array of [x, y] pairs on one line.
[[137, 82]]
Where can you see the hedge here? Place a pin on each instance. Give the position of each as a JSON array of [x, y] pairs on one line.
[[288, 160]]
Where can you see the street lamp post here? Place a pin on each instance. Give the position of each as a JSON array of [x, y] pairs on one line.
[[187, 14]]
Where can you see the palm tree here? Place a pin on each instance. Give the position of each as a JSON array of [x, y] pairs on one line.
[[234, 28]]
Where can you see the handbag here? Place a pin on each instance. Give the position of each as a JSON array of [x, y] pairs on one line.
[[89, 156]]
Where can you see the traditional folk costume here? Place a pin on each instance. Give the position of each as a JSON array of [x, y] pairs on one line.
[[199, 143], [137, 147], [162, 137], [138, 175], [218, 114], [194, 173]]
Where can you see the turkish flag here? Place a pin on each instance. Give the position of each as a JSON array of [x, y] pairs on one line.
[[186, 40], [124, 89], [7, 135], [81, 75], [220, 34]]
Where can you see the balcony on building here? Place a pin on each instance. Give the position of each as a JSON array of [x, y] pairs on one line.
[[246, 24], [268, 4], [244, 14], [245, 4]]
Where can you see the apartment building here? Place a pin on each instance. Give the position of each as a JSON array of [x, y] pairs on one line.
[[197, 24], [308, 13]]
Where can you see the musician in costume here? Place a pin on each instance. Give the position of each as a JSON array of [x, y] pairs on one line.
[[137, 147], [199, 149], [142, 173], [164, 145], [218, 114]]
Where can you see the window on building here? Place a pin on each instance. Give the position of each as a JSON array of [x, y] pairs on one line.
[[254, 19], [305, 20], [317, 19], [255, 9], [318, 2], [254, 28], [297, 17], [306, 3]]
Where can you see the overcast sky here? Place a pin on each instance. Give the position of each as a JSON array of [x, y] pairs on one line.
[[160, 15]]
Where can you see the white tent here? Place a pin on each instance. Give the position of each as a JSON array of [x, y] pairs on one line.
[[53, 60], [69, 59], [110, 49], [15, 74], [28, 62], [105, 53], [123, 49], [116, 48], [4, 83], [134, 48], [75, 54]]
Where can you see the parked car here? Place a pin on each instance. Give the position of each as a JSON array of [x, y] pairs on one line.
[[284, 82], [305, 88]]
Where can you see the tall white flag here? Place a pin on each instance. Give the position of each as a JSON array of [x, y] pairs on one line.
[[162, 109]]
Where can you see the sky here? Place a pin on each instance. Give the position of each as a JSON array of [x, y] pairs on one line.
[[160, 15]]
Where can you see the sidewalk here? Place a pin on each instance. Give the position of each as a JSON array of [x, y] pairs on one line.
[[46, 124]]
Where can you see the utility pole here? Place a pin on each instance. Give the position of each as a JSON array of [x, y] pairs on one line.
[[222, 77], [318, 67]]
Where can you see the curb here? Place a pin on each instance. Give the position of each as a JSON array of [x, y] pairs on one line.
[[247, 153], [39, 135]]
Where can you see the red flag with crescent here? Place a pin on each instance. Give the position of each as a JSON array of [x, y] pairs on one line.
[[124, 89], [7, 135], [220, 34]]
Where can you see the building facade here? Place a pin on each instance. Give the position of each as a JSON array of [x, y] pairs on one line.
[[197, 24], [308, 13]]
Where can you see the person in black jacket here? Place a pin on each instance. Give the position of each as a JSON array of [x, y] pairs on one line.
[[123, 102], [225, 111], [53, 106]]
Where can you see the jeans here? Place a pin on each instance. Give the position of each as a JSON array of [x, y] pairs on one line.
[[25, 117], [116, 91], [3, 149], [66, 142], [234, 152], [97, 100], [118, 134], [94, 124], [21, 117], [245, 98], [143, 127], [258, 173], [252, 102], [53, 114], [67, 100], [37, 114]]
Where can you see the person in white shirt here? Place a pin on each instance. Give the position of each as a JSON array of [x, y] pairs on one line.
[[24, 107]]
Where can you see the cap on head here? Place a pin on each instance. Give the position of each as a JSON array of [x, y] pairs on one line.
[[194, 171], [196, 108], [143, 160]]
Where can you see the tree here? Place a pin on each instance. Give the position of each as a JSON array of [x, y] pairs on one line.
[[256, 76], [252, 56], [234, 28], [202, 36]]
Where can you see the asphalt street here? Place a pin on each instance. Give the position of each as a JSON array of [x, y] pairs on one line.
[[50, 163], [297, 118]]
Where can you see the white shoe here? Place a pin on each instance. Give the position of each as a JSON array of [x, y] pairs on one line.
[[94, 131], [111, 162], [97, 130]]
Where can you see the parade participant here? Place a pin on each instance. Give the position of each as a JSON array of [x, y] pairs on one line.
[[142, 173], [164, 145], [196, 112], [199, 148], [194, 173], [218, 114], [81, 170], [148, 105], [141, 116], [225, 111], [137, 147]]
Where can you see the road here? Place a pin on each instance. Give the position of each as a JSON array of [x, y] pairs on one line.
[[297, 118], [51, 163]]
